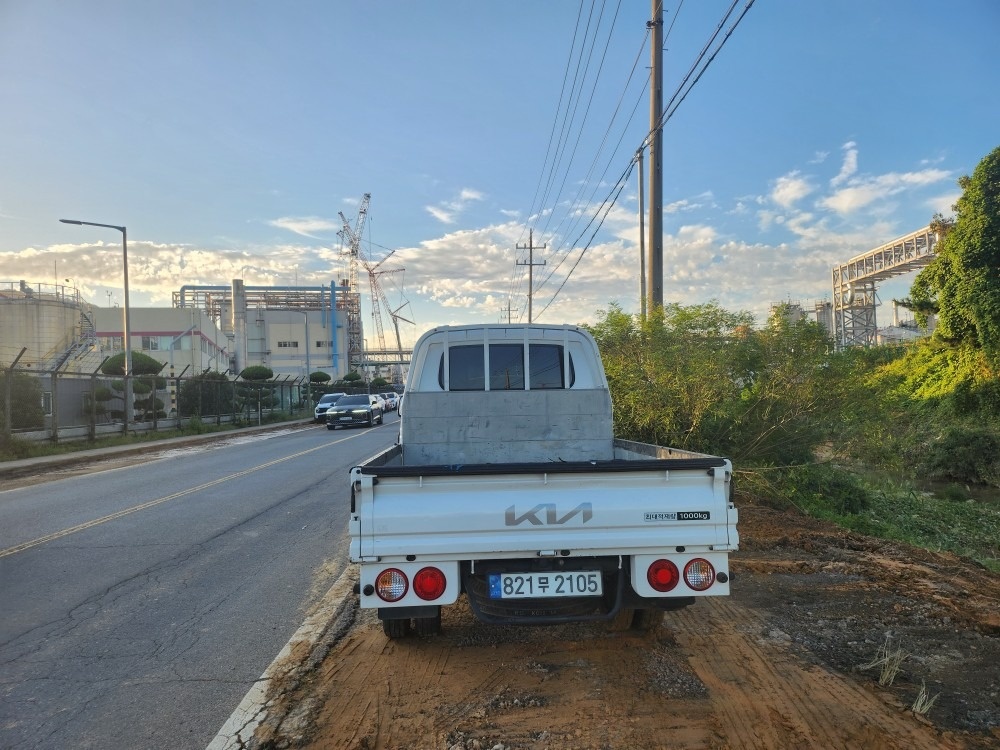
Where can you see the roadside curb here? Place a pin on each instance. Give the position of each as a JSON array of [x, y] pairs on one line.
[[23, 466]]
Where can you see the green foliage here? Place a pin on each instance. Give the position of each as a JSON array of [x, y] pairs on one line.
[[936, 416], [352, 377], [379, 382], [319, 377], [14, 448], [142, 364], [25, 401], [962, 284], [924, 520], [703, 379], [257, 373], [822, 490], [204, 394], [967, 453]]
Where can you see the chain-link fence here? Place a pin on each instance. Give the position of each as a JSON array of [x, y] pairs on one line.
[[59, 406]]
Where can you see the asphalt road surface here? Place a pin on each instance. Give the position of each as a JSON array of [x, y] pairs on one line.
[[140, 602]]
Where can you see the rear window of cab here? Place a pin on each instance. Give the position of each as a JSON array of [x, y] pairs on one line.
[[469, 369]]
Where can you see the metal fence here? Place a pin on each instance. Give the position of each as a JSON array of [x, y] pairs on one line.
[[60, 406]]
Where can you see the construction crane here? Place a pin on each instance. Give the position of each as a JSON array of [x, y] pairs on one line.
[[352, 237], [377, 291]]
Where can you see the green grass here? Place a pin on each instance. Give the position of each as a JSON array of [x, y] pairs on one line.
[[949, 521], [963, 527]]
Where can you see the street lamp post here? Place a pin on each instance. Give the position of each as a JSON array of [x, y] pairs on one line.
[[127, 321], [305, 314]]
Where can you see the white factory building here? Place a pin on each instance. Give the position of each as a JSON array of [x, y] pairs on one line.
[[292, 330]]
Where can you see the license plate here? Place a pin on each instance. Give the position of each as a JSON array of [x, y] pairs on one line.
[[537, 585], [346, 419]]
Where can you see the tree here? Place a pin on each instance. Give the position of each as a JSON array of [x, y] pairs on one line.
[[146, 381], [704, 379], [252, 390], [25, 400], [207, 393], [962, 283]]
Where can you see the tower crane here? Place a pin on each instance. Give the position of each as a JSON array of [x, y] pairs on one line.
[[376, 289], [352, 237]]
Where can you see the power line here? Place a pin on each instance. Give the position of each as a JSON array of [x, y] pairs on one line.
[[675, 101]]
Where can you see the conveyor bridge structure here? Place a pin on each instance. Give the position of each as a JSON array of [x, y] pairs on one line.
[[855, 283]]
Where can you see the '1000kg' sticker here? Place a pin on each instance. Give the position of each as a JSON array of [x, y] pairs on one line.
[[680, 515]]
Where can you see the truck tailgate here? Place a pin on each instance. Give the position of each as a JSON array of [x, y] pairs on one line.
[[517, 510]]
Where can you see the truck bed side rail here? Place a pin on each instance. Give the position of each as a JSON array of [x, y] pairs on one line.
[[548, 467]]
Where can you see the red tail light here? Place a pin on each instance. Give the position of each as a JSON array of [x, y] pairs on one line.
[[699, 574], [429, 583], [663, 576]]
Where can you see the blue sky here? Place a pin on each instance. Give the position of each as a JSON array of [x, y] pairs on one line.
[[228, 136]]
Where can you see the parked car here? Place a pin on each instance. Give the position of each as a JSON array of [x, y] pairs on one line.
[[352, 410], [391, 401], [325, 402]]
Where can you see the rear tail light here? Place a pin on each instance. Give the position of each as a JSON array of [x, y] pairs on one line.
[[663, 575], [429, 583], [391, 585], [699, 574]]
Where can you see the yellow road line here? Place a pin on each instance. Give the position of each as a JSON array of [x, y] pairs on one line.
[[158, 501]]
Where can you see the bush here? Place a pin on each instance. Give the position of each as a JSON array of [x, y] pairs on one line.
[[960, 453], [821, 490]]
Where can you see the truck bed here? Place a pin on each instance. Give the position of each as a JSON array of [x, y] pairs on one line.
[[639, 502]]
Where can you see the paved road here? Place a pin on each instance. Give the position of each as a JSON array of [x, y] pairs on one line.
[[138, 605]]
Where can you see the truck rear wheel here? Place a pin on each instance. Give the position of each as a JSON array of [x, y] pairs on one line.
[[428, 625], [396, 628], [647, 619], [639, 620], [621, 622]]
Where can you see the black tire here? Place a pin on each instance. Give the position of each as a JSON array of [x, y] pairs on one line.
[[331, 427], [371, 419], [620, 622], [646, 620], [396, 628], [381, 417], [428, 626]]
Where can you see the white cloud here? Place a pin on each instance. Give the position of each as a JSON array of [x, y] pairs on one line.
[[703, 200], [445, 217], [447, 211], [944, 204], [307, 226], [861, 192], [790, 189], [849, 165]]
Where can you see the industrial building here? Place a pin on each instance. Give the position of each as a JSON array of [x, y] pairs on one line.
[[292, 330], [52, 331]]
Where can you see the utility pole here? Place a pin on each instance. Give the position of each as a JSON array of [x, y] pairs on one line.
[[530, 247], [655, 266], [509, 311], [642, 243]]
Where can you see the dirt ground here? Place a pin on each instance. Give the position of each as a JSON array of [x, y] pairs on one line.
[[779, 664]]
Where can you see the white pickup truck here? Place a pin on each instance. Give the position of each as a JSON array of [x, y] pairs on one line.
[[507, 485]]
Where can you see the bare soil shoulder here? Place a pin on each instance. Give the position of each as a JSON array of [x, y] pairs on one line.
[[776, 665]]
